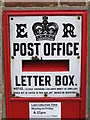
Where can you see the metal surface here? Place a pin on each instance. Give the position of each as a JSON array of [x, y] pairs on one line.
[[19, 107], [65, 89]]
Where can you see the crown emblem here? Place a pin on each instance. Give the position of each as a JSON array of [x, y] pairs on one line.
[[45, 30]]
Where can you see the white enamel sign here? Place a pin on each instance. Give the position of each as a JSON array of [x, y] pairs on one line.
[[45, 110], [53, 38]]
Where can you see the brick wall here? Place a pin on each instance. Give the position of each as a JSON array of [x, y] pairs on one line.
[[45, 3], [29, 4], [0, 69]]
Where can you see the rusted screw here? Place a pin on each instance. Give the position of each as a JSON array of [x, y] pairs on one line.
[[78, 57], [11, 18], [77, 94], [12, 57], [13, 95], [45, 95], [35, 58], [78, 17]]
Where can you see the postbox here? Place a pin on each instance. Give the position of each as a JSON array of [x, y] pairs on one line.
[[45, 60]]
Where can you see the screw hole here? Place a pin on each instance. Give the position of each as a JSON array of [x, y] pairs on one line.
[[78, 17], [13, 95], [11, 18], [45, 95], [35, 58], [77, 94], [12, 57], [78, 57]]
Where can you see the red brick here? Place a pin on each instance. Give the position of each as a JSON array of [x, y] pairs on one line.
[[0, 82], [11, 4], [0, 86], [30, 3], [0, 115], [0, 89], [0, 108], [71, 3], [39, 4], [0, 97]]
